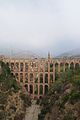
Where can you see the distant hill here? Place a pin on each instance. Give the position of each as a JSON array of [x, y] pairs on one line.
[[25, 54], [19, 53], [37, 54], [71, 53]]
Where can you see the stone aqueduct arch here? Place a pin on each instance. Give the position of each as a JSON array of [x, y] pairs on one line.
[[63, 65], [36, 75]]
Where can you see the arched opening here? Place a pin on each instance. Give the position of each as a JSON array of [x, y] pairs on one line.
[[26, 67], [17, 76], [40, 97], [61, 67], [36, 77], [17, 66], [46, 89], [21, 77], [77, 69], [46, 78], [41, 67], [46, 67], [77, 66], [26, 77], [31, 77], [41, 90], [72, 66], [51, 67], [51, 78], [56, 71], [13, 74], [26, 87], [56, 67], [21, 67], [12, 67], [36, 89], [31, 89], [66, 66], [41, 78], [7, 64]]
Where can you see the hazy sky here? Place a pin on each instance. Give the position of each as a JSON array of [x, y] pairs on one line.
[[40, 25]]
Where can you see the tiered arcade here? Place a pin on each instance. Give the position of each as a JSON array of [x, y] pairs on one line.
[[36, 75]]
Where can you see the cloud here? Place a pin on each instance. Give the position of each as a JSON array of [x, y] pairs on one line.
[[40, 24]]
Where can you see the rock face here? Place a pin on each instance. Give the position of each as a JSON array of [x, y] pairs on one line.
[[32, 112]]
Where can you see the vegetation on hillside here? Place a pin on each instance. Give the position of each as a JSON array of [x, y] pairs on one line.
[[13, 101], [63, 99]]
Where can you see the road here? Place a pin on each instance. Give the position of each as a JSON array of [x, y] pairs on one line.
[[32, 111]]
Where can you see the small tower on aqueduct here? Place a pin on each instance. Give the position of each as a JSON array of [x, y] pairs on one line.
[[48, 55]]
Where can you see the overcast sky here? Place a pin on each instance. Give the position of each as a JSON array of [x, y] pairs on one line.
[[40, 25]]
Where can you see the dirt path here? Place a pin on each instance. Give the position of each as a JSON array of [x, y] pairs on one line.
[[32, 112]]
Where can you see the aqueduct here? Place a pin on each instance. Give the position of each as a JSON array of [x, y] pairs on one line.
[[36, 75]]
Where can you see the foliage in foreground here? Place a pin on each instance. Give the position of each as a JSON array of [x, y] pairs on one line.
[[13, 101], [63, 99]]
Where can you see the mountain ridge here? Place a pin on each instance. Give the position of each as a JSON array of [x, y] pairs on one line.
[[71, 53]]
